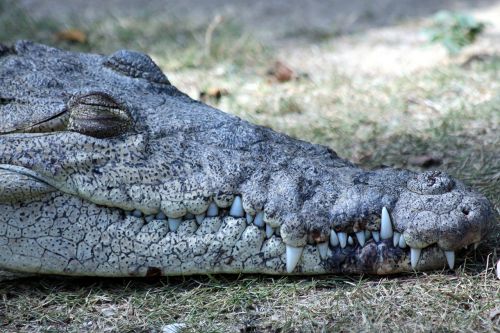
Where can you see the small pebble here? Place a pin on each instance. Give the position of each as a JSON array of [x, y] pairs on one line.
[[173, 328]]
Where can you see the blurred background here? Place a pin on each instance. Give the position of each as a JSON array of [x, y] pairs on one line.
[[407, 83]]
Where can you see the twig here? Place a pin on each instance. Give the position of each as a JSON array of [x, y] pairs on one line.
[[209, 33]]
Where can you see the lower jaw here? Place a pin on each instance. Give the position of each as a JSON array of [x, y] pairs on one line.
[[375, 258], [129, 246], [382, 258]]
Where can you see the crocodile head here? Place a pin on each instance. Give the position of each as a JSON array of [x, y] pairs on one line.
[[107, 169]]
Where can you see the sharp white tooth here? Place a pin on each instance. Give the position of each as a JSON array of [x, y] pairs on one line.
[[259, 219], [350, 241], [212, 210], [249, 218], [395, 238], [450, 258], [414, 257], [334, 239], [376, 236], [269, 231], [293, 255], [173, 224], [323, 250], [237, 208], [199, 218], [360, 235], [402, 241], [137, 213], [368, 234], [385, 225], [161, 216], [342, 239]]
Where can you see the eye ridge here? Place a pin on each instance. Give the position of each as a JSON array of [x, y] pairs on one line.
[[136, 65]]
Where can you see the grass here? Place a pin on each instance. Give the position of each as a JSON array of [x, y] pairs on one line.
[[438, 302], [450, 111], [173, 42]]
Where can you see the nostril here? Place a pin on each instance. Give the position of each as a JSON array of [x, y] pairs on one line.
[[431, 180], [465, 210]]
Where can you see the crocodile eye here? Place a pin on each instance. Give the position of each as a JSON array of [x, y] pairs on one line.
[[98, 115], [431, 182]]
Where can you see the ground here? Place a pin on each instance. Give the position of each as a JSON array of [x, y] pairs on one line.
[[365, 82]]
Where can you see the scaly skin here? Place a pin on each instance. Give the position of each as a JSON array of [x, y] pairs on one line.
[[101, 158]]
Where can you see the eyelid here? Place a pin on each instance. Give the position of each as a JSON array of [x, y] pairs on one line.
[[98, 115]]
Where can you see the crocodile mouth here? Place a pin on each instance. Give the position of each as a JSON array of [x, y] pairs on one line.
[[222, 232], [380, 251]]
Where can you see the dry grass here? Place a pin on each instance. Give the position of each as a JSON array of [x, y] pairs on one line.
[[439, 302], [441, 109]]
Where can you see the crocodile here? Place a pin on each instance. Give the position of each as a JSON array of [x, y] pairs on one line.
[[107, 169]]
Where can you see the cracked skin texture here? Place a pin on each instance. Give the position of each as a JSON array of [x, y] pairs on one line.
[[96, 152]]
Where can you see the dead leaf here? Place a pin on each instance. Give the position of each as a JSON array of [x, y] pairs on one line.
[[425, 161], [213, 94], [281, 72], [72, 35]]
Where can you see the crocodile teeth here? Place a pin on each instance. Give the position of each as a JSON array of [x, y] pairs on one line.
[[213, 210], [199, 218], [395, 239], [293, 255], [269, 231], [161, 216], [414, 257], [386, 225], [249, 218], [334, 239], [174, 224], [237, 208], [350, 241], [376, 236], [323, 250], [342, 239], [259, 219], [450, 258], [402, 241], [360, 235]]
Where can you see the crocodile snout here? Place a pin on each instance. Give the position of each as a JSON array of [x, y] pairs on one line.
[[438, 210]]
